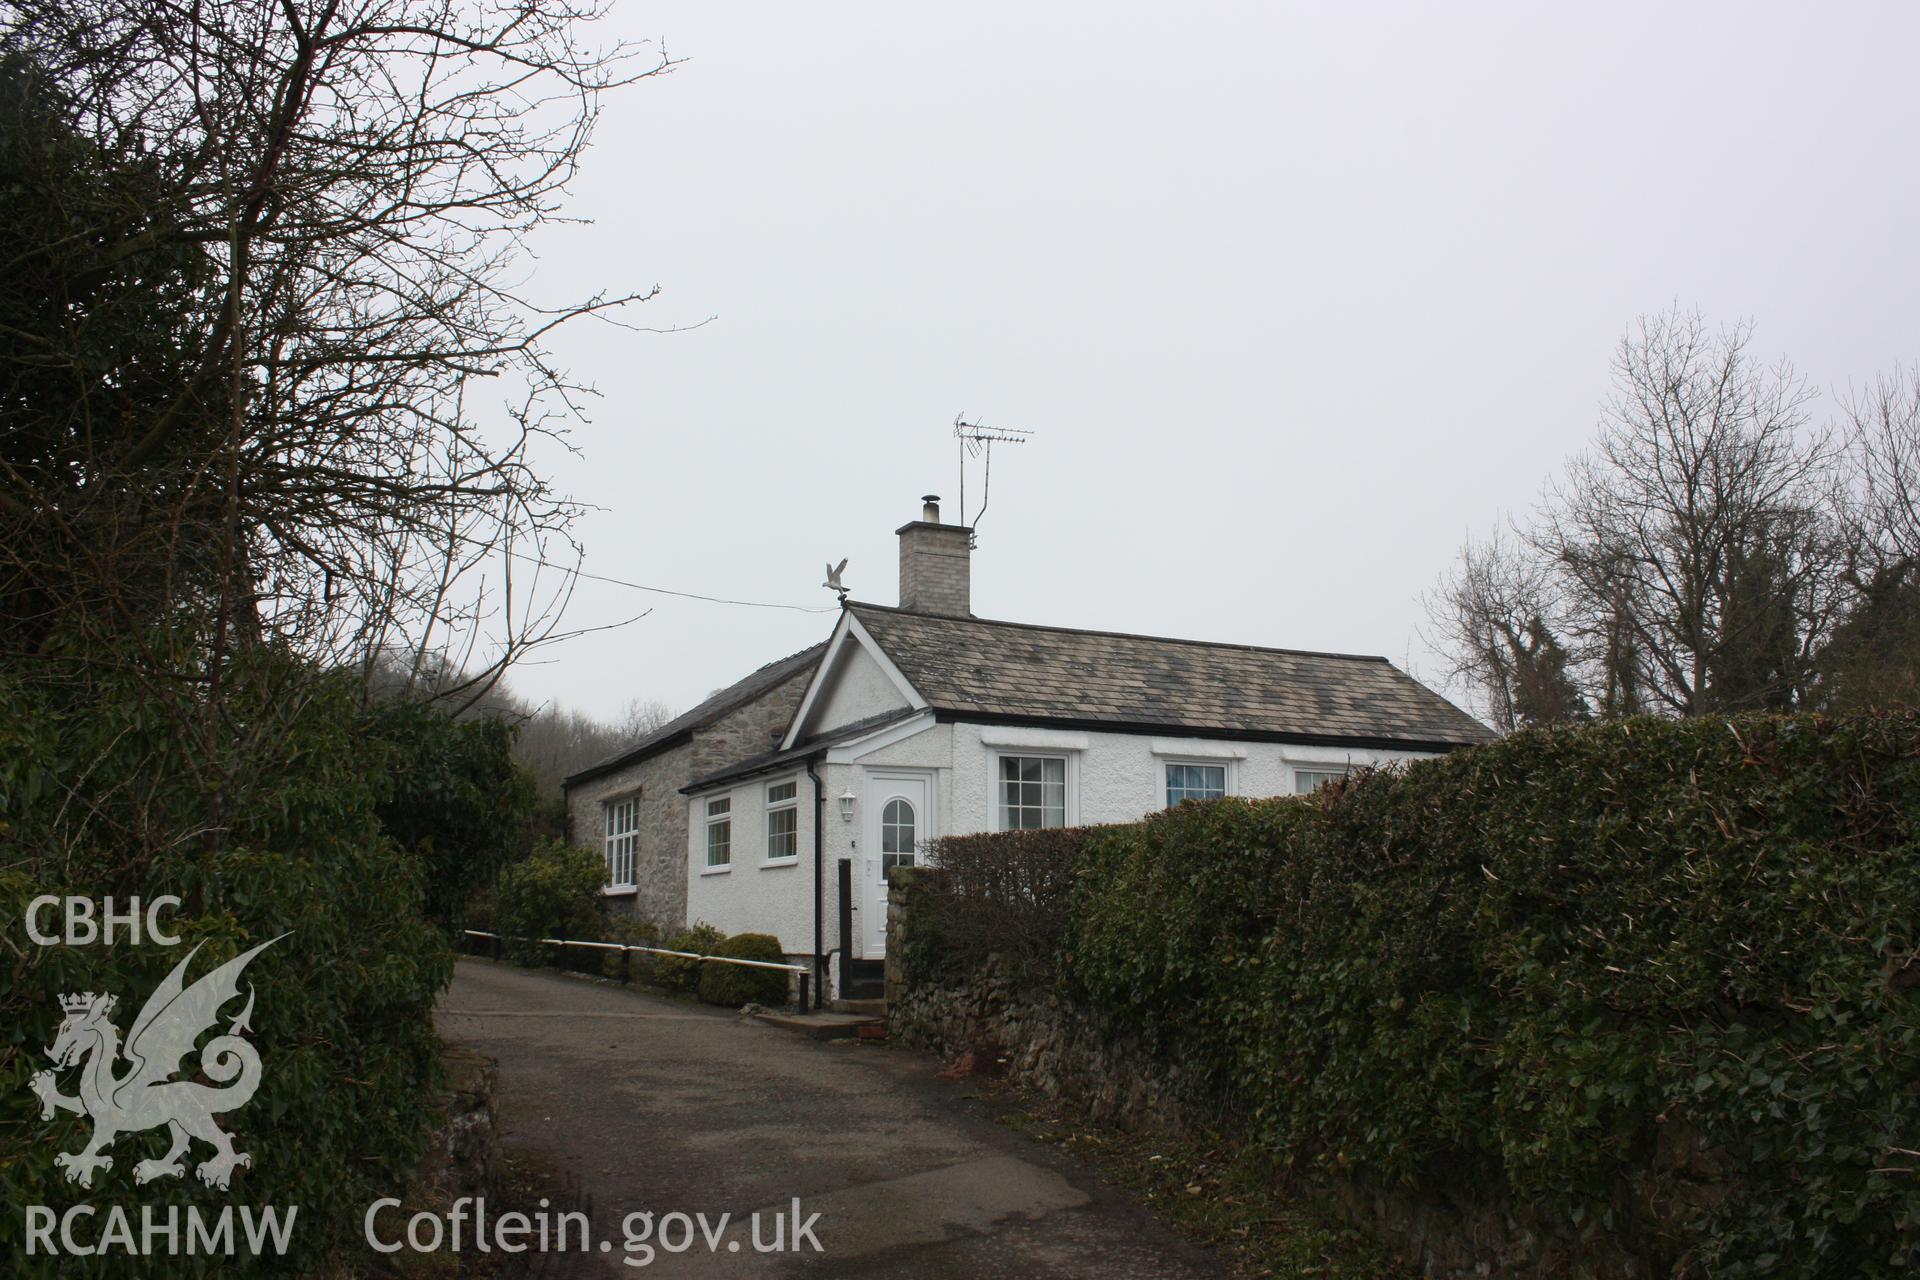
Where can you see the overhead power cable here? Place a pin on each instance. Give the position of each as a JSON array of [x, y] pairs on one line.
[[668, 591]]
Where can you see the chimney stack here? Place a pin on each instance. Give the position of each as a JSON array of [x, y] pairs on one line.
[[934, 574]]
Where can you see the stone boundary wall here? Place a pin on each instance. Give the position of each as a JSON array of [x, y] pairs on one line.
[[466, 1137], [1032, 1036], [1039, 1041]]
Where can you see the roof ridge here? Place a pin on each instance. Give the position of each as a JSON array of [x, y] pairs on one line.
[[717, 701], [699, 715], [1126, 635], [818, 644]]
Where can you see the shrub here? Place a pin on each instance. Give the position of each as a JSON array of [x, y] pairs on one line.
[[93, 802], [733, 985], [554, 892], [998, 893], [636, 964], [682, 975], [452, 794], [1651, 981]]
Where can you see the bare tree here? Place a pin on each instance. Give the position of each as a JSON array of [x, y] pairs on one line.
[[341, 189], [1694, 544], [1883, 439], [277, 252], [1492, 618], [550, 741], [642, 717], [1874, 657], [554, 741]]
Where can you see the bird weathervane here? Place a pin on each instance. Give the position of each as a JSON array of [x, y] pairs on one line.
[[833, 582]]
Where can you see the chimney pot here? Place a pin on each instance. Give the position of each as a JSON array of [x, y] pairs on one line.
[[930, 512]]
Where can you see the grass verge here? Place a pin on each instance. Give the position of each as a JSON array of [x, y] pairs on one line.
[[1209, 1191]]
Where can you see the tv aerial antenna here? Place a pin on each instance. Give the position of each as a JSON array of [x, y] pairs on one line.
[[976, 441]]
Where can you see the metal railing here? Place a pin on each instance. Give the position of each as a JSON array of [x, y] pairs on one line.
[[800, 970]]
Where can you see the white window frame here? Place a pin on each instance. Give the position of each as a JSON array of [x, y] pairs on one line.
[[912, 855], [623, 841], [1332, 772], [996, 816], [716, 818], [1228, 782], [790, 804]]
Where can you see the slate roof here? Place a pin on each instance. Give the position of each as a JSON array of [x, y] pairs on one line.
[[971, 668], [681, 727], [768, 761]]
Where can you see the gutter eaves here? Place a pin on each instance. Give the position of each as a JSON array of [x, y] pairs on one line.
[[618, 763], [1175, 730]]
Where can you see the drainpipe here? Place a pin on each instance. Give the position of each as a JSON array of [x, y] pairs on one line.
[[819, 885]]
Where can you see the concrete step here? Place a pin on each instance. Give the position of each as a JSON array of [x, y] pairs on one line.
[[866, 1008], [823, 1026]]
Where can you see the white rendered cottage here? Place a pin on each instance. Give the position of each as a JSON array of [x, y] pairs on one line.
[[923, 721]]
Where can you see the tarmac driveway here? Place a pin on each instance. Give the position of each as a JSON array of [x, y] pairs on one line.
[[666, 1108]]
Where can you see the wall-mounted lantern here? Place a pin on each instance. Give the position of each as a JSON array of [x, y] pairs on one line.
[[846, 805]]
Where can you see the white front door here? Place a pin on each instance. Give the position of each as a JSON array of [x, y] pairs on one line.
[[899, 823]]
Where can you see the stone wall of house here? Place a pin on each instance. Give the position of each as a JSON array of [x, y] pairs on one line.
[[660, 867], [660, 870], [747, 730]]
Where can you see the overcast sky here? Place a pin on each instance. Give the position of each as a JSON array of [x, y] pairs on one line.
[[1294, 298]]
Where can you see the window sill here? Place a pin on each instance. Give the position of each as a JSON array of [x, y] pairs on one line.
[[619, 890], [716, 871], [794, 861]]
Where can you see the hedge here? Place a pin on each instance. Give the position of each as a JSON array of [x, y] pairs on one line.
[[556, 891], [1653, 980], [1005, 894], [677, 973], [631, 965], [733, 985], [455, 797], [95, 801]]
